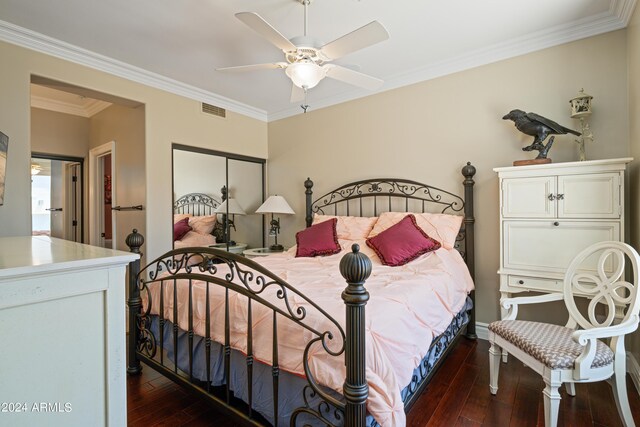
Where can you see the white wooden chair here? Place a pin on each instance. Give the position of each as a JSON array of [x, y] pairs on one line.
[[575, 353]]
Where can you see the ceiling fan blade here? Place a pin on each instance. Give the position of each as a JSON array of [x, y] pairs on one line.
[[262, 27], [353, 77], [297, 94], [368, 35], [243, 68]]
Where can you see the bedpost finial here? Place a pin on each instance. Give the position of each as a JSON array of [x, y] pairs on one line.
[[355, 266], [308, 183], [469, 170], [134, 241]]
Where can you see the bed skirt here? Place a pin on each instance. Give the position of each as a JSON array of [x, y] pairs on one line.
[[291, 385]]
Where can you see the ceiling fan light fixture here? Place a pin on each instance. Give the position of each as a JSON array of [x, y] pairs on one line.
[[305, 75]]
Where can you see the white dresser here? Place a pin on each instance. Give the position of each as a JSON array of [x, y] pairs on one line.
[[62, 333], [549, 213]]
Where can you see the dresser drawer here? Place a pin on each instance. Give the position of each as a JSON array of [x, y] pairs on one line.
[[535, 283], [549, 246]]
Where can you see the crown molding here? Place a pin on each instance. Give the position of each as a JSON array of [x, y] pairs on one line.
[[616, 18], [94, 106], [55, 105], [29, 39], [87, 109]]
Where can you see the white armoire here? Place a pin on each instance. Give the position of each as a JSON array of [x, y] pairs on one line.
[[549, 213]]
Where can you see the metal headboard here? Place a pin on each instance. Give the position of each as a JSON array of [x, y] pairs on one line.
[[196, 204], [373, 196]]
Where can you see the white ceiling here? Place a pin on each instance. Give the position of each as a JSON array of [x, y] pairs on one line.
[[177, 45]]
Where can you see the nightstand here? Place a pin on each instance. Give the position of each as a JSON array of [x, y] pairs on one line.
[[259, 252], [238, 248]]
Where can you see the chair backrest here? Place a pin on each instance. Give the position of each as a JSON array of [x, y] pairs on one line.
[[604, 286]]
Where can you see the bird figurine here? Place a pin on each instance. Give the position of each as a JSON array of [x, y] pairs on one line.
[[540, 128]]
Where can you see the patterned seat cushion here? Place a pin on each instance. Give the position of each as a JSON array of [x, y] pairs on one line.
[[549, 344]]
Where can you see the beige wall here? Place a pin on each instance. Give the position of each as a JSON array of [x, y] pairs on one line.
[[125, 126], [168, 118], [62, 134], [59, 133], [428, 131]]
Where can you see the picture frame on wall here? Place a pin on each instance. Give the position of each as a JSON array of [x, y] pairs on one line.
[[4, 147]]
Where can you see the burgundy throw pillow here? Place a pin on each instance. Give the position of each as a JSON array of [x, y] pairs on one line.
[[402, 242], [181, 228], [319, 239]]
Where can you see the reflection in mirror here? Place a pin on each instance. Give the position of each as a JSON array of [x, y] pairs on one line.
[[245, 186], [203, 197], [197, 180]]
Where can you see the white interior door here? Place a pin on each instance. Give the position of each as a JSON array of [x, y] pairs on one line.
[[97, 205]]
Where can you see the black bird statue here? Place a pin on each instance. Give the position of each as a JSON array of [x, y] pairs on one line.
[[540, 128]]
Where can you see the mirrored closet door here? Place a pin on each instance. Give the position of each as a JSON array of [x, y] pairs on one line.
[[215, 196]]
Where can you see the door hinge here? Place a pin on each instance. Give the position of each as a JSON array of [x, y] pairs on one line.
[[74, 178], [103, 235], [74, 223]]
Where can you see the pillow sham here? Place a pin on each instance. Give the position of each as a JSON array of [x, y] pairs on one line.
[[181, 228], [319, 239], [203, 224], [349, 227], [181, 216], [402, 242], [442, 227]]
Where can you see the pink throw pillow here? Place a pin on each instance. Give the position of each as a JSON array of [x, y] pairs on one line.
[[203, 224], [319, 239], [181, 228], [402, 242]]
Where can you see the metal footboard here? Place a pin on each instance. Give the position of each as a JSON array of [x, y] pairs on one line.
[[178, 270]]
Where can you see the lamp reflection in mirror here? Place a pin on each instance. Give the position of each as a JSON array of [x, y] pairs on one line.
[[233, 208], [275, 205]]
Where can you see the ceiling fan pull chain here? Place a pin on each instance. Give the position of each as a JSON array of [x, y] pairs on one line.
[[304, 104]]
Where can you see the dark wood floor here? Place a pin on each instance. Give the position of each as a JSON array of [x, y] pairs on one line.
[[458, 395]]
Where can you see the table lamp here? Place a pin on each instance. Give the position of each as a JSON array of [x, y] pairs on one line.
[[275, 205], [230, 207]]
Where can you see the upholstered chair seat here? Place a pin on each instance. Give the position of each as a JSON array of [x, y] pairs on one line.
[[590, 347], [551, 345]]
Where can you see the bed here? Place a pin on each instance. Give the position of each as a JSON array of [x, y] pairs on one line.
[[270, 344]]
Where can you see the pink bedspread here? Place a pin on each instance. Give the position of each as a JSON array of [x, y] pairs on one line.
[[408, 307]]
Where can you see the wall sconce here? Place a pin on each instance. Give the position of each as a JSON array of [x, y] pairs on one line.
[[275, 205], [233, 208], [581, 109]]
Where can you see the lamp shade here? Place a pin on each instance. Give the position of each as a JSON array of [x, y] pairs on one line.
[[305, 74], [234, 207], [276, 205]]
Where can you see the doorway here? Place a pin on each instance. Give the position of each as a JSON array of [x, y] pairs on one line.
[[102, 181], [56, 197]]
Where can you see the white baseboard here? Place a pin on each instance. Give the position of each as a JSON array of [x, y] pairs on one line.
[[633, 368], [482, 331]]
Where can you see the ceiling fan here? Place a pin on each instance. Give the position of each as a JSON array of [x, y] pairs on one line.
[[307, 60]]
